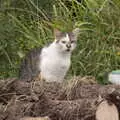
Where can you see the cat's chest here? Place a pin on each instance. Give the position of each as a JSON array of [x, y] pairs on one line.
[[55, 61]]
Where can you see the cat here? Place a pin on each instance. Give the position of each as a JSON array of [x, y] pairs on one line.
[[51, 62]]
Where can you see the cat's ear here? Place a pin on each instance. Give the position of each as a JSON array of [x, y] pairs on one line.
[[76, 32], [58, 34]]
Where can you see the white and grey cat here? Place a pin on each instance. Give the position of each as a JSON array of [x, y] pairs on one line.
[[53, 61]]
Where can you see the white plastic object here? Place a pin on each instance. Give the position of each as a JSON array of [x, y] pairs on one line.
[[114, 77]]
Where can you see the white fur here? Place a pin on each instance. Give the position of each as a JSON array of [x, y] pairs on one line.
[[55, 60], [54, 64]]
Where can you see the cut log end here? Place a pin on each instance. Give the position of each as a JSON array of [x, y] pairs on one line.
[[106, 111]]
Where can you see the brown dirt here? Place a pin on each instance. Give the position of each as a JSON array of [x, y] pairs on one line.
[[76, 99]]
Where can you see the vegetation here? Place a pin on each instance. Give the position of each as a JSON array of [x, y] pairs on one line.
[[27, 24]]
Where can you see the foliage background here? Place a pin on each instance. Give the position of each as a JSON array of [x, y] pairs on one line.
[[26, 24]]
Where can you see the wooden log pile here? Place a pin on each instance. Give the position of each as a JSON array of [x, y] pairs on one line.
[[77, 99]]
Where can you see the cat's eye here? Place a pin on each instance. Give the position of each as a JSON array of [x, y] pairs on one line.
[[72, 41], [63, 42]]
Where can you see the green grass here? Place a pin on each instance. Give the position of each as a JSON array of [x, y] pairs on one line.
[[98, 47]]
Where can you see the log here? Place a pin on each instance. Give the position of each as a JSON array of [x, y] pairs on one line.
[[71, 101], [35, 118], [106, 111]]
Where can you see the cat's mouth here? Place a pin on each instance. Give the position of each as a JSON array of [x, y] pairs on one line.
[[68, 50]]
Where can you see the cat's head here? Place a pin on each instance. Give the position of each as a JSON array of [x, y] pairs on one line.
[[66, 42]]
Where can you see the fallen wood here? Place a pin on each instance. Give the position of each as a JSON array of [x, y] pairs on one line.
[[72, 101], [35, 118], [106, 111]]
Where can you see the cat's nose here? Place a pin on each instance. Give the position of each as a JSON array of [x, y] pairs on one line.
[[68, 46]]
